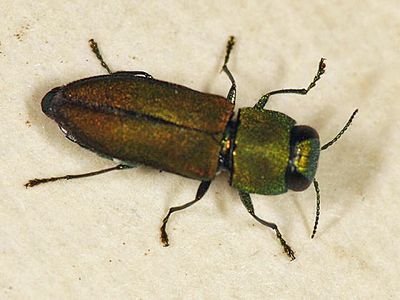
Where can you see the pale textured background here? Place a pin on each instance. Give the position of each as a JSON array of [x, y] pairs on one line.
[[99, 237]]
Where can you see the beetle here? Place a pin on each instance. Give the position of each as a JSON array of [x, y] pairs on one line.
[[131, 117]]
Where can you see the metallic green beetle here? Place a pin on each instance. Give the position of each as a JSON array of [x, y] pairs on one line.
[[134, 118]]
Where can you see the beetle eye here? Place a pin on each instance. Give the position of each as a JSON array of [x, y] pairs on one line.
[[303, 159]]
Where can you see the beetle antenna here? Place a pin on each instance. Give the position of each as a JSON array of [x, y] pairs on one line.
[[318, 209], [341, 131]]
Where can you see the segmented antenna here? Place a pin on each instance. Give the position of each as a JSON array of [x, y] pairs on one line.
[[341, 131], [318, 209]]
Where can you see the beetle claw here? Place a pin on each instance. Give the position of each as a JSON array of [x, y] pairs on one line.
[[164, 236]]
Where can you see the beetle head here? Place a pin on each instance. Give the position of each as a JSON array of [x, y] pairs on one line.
[[303, 158]]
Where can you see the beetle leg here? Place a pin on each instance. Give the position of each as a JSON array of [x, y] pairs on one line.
[[203, 187], [246, 200], [96, 51], [38, 181], [232, 91], [264, 99]]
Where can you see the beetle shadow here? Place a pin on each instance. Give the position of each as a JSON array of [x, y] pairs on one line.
[[224, 193], [172, 194], [33, 107]]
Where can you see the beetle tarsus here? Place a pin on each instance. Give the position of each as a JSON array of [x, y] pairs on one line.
[[95, 48], [34, 182], [232, 91], [229, 47], [288, 250], [164, 235]]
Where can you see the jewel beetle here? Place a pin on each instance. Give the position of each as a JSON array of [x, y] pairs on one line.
[[138, 120]]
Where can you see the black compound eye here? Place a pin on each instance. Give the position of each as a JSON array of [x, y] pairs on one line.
[[303, 160]]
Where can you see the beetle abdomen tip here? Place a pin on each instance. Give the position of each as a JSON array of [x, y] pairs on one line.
[[50, 101]]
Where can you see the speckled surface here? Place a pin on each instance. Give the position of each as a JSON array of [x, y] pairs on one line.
[[99, 237]]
